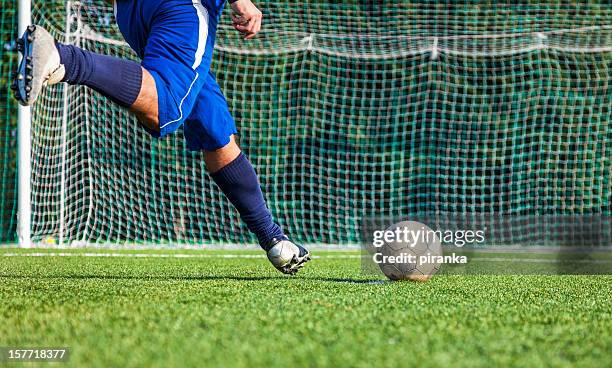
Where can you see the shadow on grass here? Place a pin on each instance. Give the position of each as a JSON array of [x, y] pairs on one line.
[[348, 281], [191, 278]]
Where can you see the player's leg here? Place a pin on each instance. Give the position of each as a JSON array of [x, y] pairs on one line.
[[125, 82], [211, 128], [236, 177]]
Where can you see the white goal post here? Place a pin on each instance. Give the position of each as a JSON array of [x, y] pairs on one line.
[[24, 205]]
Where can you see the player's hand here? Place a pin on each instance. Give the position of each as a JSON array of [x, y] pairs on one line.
[[246, 18]]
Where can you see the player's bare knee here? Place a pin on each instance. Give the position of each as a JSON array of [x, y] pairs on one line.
[[149, 120]]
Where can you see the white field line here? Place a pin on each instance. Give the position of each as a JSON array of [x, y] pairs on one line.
[[331, 256], [154, 255]]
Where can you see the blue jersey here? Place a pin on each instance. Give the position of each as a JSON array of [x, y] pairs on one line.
[[175, 40]]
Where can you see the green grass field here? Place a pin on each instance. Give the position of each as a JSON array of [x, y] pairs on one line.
[[212, 310]]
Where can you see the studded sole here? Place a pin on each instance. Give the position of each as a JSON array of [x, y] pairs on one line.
[[22, 78]]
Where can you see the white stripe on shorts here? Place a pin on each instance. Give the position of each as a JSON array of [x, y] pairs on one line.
[[202, 37], [203, 32]]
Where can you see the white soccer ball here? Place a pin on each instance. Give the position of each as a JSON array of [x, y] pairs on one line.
[[415, 255]]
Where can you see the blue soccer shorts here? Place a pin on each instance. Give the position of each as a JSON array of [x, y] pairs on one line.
[[175, 40]]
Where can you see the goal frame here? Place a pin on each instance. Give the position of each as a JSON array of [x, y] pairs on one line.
[[24, 144]]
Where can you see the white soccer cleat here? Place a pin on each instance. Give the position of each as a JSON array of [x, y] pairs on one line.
[[40, 65], [287, 256]]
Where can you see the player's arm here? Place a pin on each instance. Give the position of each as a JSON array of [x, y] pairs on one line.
[[246, 18]]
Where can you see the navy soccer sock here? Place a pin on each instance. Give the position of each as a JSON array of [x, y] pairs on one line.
[[118, 79], [239, 182]]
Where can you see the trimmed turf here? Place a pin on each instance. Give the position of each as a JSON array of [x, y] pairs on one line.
[[239, 312]]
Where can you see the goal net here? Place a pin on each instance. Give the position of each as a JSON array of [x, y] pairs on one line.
[[347, 110]]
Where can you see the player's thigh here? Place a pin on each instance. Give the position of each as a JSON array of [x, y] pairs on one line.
[[177, 54], [210, 124]]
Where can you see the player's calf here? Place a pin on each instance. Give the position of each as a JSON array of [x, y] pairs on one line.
[[238, 181]]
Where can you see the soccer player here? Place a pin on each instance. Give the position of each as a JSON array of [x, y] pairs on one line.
[[172, 86]]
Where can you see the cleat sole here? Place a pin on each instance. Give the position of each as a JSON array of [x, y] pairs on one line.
[[296, 264], [22, 78]]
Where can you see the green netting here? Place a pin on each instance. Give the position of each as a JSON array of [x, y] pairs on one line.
[[348, 110], [8, 124]]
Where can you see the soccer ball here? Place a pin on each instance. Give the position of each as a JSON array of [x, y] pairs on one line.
[[414, 254]]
